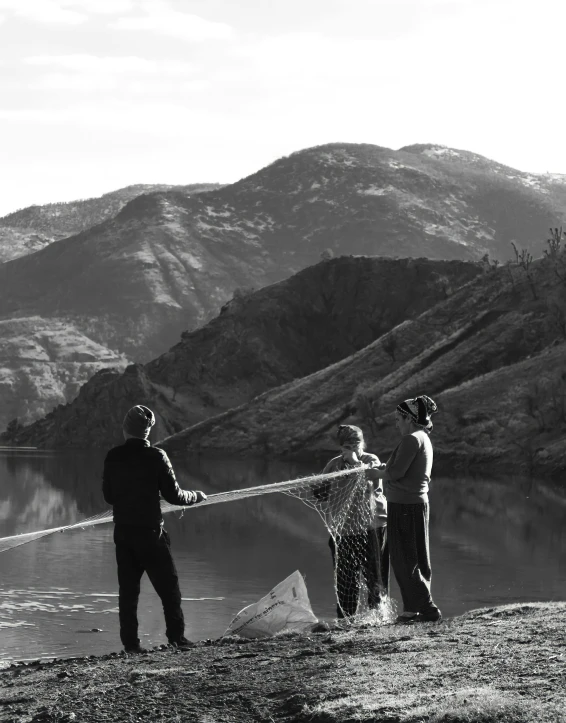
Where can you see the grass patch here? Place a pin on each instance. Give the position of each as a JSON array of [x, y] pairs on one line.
[[486, 705], [470, 705]]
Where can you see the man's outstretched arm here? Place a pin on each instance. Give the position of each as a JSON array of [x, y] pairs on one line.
[[169, 487]]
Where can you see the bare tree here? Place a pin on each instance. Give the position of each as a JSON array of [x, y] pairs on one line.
[[524, 260], [554, 243], [556, 252]]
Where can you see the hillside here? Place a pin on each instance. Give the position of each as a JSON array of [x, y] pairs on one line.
[[258, 341], [419, 201], [16, 242], [168, 260], [30, 229], [491, 355], [43, 363]]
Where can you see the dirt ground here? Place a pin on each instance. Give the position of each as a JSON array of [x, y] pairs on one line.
[[494, 664]]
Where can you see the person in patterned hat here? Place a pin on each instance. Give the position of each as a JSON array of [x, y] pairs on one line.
[[135, 476], [407, 477]]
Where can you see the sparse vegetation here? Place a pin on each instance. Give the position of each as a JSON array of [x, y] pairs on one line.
[[442, 284], [242, 292], [492, 665], [524, 260], [389, 345], [488, 263], [65, 218], [366, 408], [477, 352], [268, 338], [556, 253], [554, 243]]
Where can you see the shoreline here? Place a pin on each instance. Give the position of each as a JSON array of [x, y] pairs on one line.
[[447, 460], [504, 663]]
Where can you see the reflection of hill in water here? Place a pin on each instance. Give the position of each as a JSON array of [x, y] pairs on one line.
[[514, 510], [76, 475], [28, 501], [69, 488], [507, 535]]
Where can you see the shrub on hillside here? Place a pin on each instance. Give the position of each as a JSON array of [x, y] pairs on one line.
[[366, 408]]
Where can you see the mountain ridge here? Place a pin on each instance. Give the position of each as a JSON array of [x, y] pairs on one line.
[[489, 340], [260, 340], [32, 228], [167, 261]]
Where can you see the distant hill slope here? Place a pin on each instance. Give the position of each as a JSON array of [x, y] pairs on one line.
[[492, 355], [43, 363], [15, 242], [419, 201], [168, 260], [259, 341], [34, 227]]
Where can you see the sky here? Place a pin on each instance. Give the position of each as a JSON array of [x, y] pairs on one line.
[[96, 95]]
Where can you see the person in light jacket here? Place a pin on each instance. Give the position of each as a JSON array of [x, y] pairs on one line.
[[407, 477], [359, 534], [135, 476]]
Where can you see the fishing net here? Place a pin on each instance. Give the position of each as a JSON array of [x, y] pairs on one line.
[[347, 505], [345, 501]]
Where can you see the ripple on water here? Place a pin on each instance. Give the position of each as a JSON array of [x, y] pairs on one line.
[[17, 601]]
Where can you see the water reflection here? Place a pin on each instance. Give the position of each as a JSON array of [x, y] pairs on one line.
[[492, 542]]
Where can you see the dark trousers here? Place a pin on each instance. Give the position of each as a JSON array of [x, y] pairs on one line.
[[139, 550], [366, 554], [410, 556]]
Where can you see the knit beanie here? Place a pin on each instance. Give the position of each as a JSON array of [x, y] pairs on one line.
[[139, 421]]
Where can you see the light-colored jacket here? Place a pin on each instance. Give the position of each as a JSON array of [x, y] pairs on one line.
[[410, 467], [353, 508]]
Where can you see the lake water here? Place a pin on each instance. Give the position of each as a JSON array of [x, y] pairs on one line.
[[492, 542]]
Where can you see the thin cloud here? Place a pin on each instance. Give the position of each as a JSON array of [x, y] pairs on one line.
[[101, 7], [89, 63], [77, 82], [43, 11], [161, 18], [145, 118], [90, 73], [64, 12], [83, 63]]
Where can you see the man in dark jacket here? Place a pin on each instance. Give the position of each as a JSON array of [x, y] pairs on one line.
[[135, 476]]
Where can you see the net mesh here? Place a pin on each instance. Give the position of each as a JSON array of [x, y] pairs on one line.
[[344, 500], [347, 504]]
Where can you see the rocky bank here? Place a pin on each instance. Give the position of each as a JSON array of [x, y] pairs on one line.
[[504, 665]]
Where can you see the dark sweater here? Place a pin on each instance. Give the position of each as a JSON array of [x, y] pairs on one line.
[[135, 476], [409, 469]]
